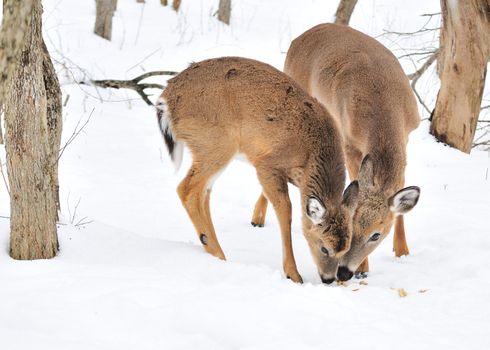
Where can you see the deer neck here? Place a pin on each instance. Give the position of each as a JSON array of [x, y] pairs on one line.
[[324, 176], [390, 165]]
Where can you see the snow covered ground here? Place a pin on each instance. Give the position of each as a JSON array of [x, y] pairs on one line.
[[131, 273]]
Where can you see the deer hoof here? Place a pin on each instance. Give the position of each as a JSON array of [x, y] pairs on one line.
[[361, 275]]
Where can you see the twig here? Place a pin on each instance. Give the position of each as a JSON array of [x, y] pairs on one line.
[[83, 221], [421, 100], [431, 14], [144, 59], [72, 218], [417, 32], [419, 72], [75, 133], [426, 53], [139, 24], [5, 179]]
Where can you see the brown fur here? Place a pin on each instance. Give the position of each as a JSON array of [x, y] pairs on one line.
[[364, 87], [221, 107]]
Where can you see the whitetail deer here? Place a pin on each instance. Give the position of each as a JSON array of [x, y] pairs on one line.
[[227, 106], [365, 89]]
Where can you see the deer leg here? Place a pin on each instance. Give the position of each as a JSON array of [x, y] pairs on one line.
[[363, 269], [399, 241], [275, 187], [194, 194], [258, 218]]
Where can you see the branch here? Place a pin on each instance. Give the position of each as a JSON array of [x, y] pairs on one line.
[[419, 72], [134, 84], [417, 32]]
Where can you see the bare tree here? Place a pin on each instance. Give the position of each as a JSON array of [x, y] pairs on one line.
[[33, 130], [344, 11], [224, 11], [176, 5], [103, 18], [462, 67]]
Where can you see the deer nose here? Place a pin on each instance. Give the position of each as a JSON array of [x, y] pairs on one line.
[[327, 280], [344, 274]]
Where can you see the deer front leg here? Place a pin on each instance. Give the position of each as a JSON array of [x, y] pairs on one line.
[[363, 269], [275, 188], [258, 218], [399, 240]]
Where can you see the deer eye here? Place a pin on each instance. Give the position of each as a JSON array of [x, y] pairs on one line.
[[374, 237], [324, 251]]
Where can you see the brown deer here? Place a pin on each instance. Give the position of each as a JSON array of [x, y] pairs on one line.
[[365, 89], [227, 106]]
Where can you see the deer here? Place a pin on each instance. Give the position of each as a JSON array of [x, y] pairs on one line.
[[230, 107], [363, 86]]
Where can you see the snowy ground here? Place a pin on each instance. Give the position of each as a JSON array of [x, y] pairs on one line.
[[131, 274]]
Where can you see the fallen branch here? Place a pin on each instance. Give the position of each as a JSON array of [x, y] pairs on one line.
[[134, 84]]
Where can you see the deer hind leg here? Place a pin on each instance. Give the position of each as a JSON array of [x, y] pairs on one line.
[[399, 240], [194, 194], [258, 218], [275, 187]]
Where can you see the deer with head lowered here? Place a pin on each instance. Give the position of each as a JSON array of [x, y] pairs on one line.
[[224, 107], [363, 86]]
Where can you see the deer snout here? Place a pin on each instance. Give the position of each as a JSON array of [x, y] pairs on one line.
[[327, 280], [344, 274]]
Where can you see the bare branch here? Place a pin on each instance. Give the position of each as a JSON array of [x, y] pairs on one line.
[[134, 84], [419, 72], [344, 11], [4, 179], [75, 133]]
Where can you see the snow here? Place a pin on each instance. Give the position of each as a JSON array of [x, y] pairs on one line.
[[131, 273]]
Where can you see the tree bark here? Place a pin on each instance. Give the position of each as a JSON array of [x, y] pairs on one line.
[[462, 68], [54, 120], [103, 19], [344, 11], [176, 5], [33, 127], [1, 131], [224, 11], [164, 2], [16, 19]]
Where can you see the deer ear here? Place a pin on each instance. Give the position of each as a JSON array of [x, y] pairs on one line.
[[351, 195], [315, 210], [404, 200], [366, 172]]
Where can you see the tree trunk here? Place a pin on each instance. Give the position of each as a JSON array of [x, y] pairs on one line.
[[176, 5], [224, 11], [344, 11], [462, 67], [54, 120], [164, 2], [103, 19], [33, 122], [16, 19], [1, 131]]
